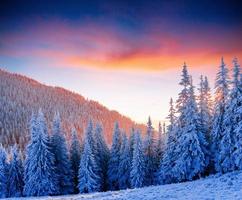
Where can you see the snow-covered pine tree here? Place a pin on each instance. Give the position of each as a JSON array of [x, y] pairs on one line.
[[186, 134], [124, 164], [62, 161], [89, 180], [160, 147], [150, 155], [205, 106], [114, 159], [209, 105], [3, 172], [89, 134], [221, 97], [183, 95], [166, 171], [210, 112], [131, 142], [171, 117], [15, 178], [181, 102], [160, 143], [102, 156], [237, 154], [227, 146], [204, 115], [164, 174], [40, 177], [137, 173], [33, 133], [75, 156], [190, 162]]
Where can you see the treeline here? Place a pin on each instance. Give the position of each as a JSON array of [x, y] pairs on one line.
[[20, 96], [204, 136]]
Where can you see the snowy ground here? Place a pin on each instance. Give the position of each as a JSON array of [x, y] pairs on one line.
[[228, 186]]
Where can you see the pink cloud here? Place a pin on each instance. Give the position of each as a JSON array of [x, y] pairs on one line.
[[96, 45]]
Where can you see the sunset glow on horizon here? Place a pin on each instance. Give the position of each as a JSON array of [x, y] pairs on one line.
[[126, 55], [98, 46]]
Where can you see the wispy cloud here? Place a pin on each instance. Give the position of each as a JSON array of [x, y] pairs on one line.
[[103, 46]]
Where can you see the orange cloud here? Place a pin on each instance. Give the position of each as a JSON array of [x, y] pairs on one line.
[[153, 62], [103, 47]]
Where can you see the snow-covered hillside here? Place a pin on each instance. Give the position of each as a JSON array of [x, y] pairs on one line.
[[228, 186], [20, 96]]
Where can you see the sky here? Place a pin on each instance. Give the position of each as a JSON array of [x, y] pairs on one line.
[[127, 55]]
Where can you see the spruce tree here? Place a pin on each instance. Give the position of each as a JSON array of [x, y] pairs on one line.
[[190, 162], [221, 98], [230, 139], [174, 136], [89, 134], [114, 159], [124, 164], [184, 94], [150, 155], [137, 173], [102, 156], [165, 174], [237, 154], [205, 106], [33, 133], [160, 147], [160, 143], [61, 157], [89, 180], [131, 142], [75, 156], [40, 177], [3, 173], [208, 106], [171, 117], [15, 178], [209, 119], [181, 103], [204, 116]]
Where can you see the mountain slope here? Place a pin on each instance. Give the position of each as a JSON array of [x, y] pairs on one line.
[[20, 96], [228, 186]]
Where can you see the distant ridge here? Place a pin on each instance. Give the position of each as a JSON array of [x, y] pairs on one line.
[[20, 96]]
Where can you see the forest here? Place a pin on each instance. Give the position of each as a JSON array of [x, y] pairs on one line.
[[203, 137]]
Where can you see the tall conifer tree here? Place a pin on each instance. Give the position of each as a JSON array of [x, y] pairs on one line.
[[137, 174], [102, 156], [40, 177], [62, 161], [114, 159], [190, 162], [15, 178], [221, 98], [228, 145], [165, 174], [131, 142], [75, 156], [124, 164], [237, 154], [150, 155], [89, 180]]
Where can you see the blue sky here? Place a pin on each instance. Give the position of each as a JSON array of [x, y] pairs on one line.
[[125, 54]]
